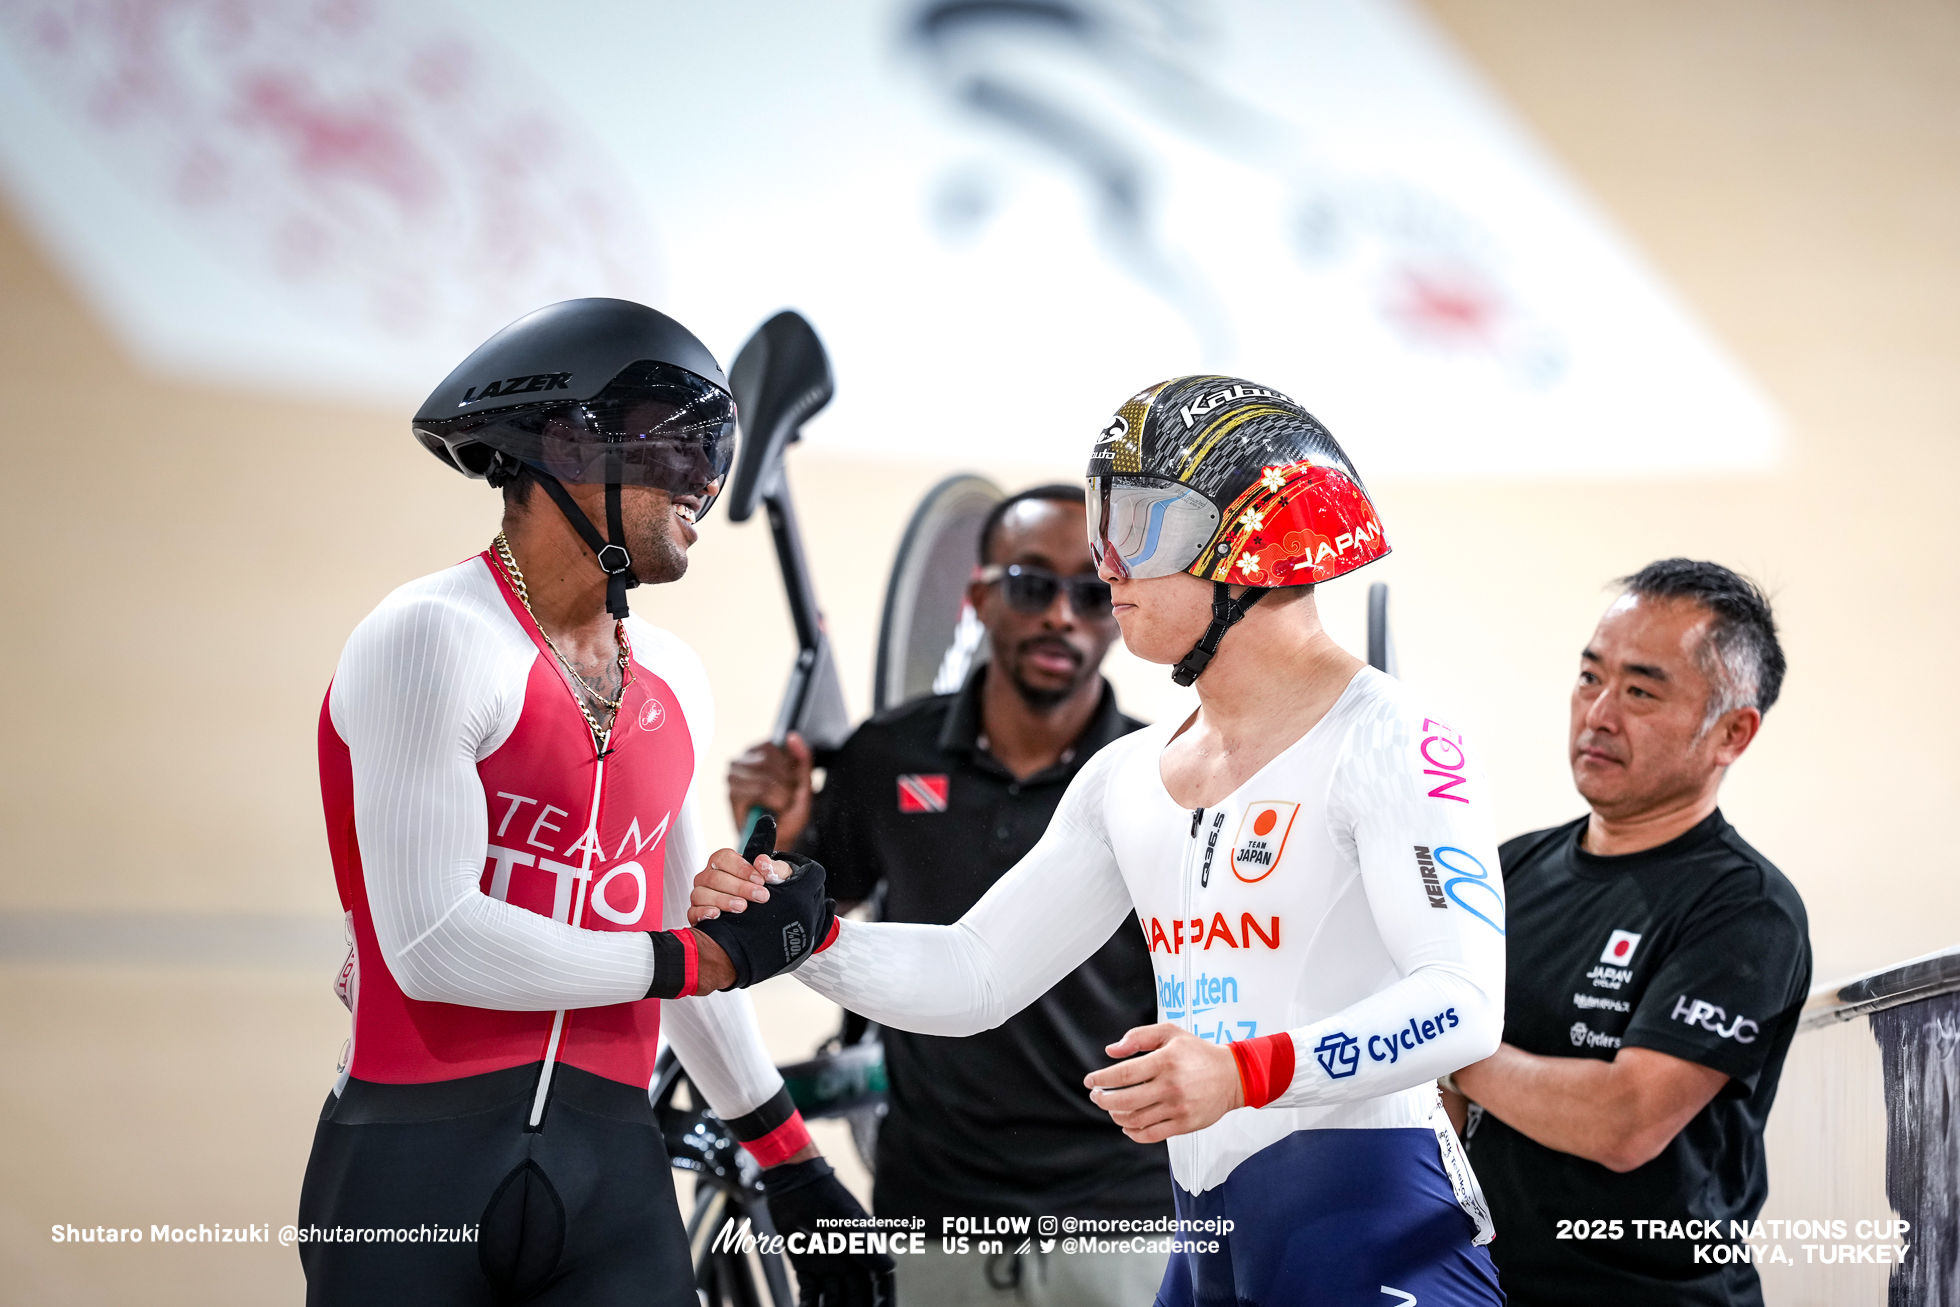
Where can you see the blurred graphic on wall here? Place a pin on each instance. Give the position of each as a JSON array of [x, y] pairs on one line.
[[323, 184], [1005, 215]]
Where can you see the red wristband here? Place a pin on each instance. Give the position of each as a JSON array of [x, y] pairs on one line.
[[780, 1144], [830, 936], [774, 1132], [691, 966], [1265, 1067], [676, 963]]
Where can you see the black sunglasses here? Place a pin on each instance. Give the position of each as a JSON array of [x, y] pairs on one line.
[[1032, 589]]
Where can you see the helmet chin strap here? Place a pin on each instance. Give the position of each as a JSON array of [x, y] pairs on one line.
[[614, 561], [1225, 614]]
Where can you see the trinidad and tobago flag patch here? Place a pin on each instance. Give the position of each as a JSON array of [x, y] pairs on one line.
[[921, 793]]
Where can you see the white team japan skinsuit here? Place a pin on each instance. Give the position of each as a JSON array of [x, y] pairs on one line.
[[1346, 898]]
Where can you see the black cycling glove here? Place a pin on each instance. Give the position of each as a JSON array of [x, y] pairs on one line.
[[767, 939], [801, 1193]]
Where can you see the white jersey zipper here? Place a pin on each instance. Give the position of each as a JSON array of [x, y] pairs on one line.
[[591, 843], [1184, 969]]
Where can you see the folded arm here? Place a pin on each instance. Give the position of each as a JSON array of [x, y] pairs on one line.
[[1620, 1114]]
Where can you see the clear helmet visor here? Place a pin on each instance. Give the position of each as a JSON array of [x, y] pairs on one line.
[[1141, 527], [667, 429]]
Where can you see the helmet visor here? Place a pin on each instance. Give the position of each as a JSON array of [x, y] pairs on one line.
[[667, 428], [1140, 527]]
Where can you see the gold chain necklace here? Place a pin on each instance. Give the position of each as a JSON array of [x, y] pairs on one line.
[[516, 578]]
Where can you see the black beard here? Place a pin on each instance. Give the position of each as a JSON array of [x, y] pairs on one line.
[[1036, 697], [660, 560], [1039, 699]]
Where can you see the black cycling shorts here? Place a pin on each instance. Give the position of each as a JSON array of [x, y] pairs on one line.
[[580, 1210]]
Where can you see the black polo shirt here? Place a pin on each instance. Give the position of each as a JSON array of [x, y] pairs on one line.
[[1698, 948], [997, 1123]]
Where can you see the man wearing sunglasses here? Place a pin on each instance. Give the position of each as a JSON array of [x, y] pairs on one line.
[[934, 800]]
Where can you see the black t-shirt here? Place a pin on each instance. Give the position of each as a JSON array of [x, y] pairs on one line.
[[1699, 949], [998, 1123]]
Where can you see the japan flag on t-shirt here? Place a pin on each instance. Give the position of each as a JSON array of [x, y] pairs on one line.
[[1619, 948]]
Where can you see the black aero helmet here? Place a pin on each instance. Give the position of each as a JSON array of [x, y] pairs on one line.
[[594, 391]]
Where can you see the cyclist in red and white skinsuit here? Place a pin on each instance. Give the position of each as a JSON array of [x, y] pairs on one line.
[[1309, 855], [508, 767]]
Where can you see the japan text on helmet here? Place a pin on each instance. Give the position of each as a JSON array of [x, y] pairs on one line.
[[1230, 482], [593, 390]]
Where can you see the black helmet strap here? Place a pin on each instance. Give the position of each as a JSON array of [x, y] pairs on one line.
[[1225, 614], [614, 561]]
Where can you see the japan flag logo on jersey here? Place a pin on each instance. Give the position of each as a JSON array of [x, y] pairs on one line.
[[1262, 838], [1619, 948]]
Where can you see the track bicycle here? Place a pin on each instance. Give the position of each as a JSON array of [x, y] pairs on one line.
[[846, 1079]]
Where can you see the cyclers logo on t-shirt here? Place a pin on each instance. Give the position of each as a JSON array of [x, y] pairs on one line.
[[1584, 1036]]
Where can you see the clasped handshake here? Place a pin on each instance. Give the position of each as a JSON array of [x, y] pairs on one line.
[[769, 915], [765, 910]]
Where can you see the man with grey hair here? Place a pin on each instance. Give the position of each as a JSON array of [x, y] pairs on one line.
[[1657, 967]]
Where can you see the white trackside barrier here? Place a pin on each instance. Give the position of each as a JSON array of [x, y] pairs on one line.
[[1864, 1145]]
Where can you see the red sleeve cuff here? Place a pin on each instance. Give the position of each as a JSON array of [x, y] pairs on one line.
[[782, 1143], [1265, 1067], [774, 1132], [830, 937], [691, 963]]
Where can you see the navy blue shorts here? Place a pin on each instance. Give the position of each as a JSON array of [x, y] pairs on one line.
[[1335, 1218]]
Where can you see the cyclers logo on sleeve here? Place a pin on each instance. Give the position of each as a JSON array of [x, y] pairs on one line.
[[1710, 1017], [1420, 1030], [1339, 1054]]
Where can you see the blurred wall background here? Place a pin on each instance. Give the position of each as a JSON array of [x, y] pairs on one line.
[[186, 559]]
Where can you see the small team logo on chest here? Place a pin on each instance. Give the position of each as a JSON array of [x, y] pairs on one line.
[[1262, 839], [652, 714], [922, 793], [1619, 948]]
